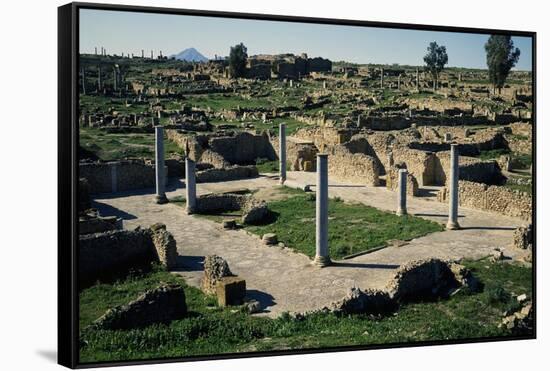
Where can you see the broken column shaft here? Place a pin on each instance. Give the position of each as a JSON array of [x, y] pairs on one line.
[[453, 189], [190, 186], [160, 197], [322, 257], [402, 192], [282, 153]]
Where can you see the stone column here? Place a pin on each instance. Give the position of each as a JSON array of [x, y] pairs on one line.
[[160, 196], [399, 82], [282, 153], [322, 257], [358, 121], [453, 190], [417, 80], [99, 84], [402, 192], [190, 186], [381, 78], [83, 72]]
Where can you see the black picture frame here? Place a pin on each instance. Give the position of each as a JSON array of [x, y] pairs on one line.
[[68, 46]]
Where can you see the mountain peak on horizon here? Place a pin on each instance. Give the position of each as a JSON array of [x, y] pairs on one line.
[[190, 55]]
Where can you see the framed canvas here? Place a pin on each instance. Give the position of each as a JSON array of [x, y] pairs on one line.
[[241, 185]]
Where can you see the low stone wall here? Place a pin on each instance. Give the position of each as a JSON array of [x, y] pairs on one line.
[[358, 168], [116, 176], [90, 222], [113, 253], [162, 304], [226, 174], [210, 203], [470, 169], [497, 199]]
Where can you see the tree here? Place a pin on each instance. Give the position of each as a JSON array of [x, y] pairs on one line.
[[237, 60], [501, 58], [435, 60]]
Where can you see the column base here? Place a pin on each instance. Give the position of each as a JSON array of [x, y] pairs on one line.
[[322, 261], [189, 211], [401, 212], [282, 181], [453, 226], [161, 199]]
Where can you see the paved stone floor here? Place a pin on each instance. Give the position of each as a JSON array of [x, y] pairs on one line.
[[286, 281]]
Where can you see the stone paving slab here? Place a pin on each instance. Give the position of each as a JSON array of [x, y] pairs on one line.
[[286, 281]]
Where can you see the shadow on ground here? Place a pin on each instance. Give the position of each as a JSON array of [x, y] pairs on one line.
[[265, 299], [108, 210]]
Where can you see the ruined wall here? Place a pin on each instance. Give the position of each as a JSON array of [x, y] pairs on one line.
[[110, 254], [300, 155], [210, 203], [420, 164], [116, 176], [470, 169], [221, 151], [324, 137], [497, 199], [229, 173], [392, 181], [243, 148], [358, 168]]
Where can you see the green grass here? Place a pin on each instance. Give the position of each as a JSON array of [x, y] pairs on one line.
[[108, 147], [493, 154], [265, 166], [211, 330], [352, 227]]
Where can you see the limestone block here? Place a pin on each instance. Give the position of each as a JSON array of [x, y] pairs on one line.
[[230, 291]]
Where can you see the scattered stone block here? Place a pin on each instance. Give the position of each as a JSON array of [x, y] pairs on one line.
[[215, 268], [364, 302], [159, 305], [229, 224], [429, 279], [254, 211], [253, 306], [165, 245], [230, 291], [523, 237], [270, 239], [521, 321]]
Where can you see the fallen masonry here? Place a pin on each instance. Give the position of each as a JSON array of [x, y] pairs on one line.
[[110, 254], [159, 305]]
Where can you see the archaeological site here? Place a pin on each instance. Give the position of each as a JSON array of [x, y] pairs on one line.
[[254, 199]]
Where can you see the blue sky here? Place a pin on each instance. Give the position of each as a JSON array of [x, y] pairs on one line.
[[130, 32]]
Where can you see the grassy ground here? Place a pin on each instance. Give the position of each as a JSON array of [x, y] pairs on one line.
[[352, 227], [212, 330], [107, 147]]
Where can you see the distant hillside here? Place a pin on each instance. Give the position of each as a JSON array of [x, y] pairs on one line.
[[190, 55]]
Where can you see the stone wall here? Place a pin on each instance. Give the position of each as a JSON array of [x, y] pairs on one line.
[[358, 168], [211, 203], [300, 154], [324, 137], [392, 181], [116, 176], [113, 253], [239, 149], [229, 173], [470, 169], [497, 199]]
